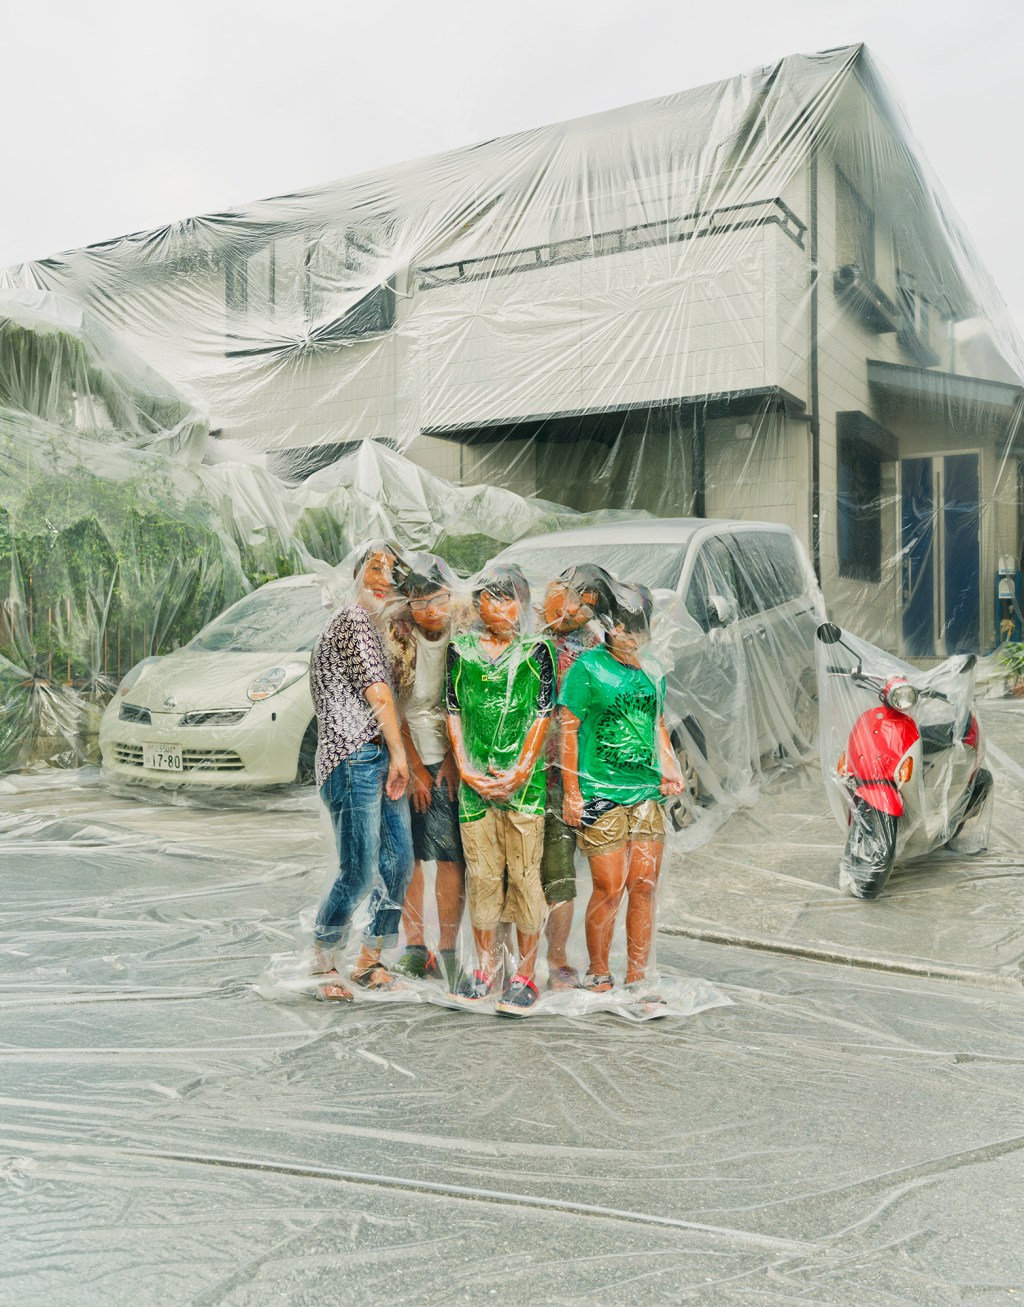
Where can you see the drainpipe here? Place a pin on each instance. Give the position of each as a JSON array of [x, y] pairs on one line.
[[698, 451], [815, 423]]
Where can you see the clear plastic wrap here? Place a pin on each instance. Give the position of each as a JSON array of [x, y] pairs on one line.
[[750, 302], [440, 763], [903, 757], [733, 345]]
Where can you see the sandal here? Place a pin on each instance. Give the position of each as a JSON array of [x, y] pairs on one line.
[[563, 978], [376, 977], [597, 984], [333, 990]]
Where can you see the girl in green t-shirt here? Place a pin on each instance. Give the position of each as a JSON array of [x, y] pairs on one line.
[[618, 766]]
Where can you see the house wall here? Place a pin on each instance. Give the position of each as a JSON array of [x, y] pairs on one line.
[[759, 469], [710, 315], [844, 346]]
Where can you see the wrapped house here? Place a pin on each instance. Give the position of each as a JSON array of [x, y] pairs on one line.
[[748, 300]]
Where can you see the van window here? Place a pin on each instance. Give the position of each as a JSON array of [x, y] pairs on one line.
[[713, 574], [767, 570]]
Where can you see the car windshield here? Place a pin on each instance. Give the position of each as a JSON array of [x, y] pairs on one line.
[[656, 565], [269, 621]]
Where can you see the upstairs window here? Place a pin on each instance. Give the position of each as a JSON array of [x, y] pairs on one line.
[[319, 289], [855, 226]]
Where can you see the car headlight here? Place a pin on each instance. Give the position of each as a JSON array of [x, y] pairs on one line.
[[135, 673], [276, 679]]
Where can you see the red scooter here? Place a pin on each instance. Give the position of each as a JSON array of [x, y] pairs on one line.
[[910, 777]]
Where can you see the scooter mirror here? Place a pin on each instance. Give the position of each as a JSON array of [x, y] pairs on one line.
[[829, 633]]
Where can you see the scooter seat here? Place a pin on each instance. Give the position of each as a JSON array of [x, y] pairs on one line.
[[936, 739]]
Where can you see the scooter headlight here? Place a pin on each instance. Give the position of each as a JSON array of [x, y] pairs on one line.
[[900, 696], [274, 680]]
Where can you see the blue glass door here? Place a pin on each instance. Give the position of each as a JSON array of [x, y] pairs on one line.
[[961, 550], [941, 555], [918, 556]]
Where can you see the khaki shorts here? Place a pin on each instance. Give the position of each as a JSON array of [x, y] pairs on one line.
[[624, 825], [503, 850]]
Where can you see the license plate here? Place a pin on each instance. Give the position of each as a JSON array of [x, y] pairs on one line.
[[162, 757]]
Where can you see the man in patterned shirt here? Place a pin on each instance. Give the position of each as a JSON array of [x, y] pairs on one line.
[[362, 772]]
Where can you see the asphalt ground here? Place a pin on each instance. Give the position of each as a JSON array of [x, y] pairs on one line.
[[847, 1129]]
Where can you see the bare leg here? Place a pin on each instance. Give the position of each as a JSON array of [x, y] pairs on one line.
[[608, 872], [644, 863], [556, 931], [527, 953], [412, 909], [450, 888], [485, 941]]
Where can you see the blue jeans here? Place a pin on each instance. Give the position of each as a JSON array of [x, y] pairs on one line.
[[374, 842]]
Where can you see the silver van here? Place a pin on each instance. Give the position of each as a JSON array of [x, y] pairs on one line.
[[737, 606]]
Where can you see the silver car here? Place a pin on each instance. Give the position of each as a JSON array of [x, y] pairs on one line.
[[737, 608]]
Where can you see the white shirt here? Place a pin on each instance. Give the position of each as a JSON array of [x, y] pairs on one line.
[[424, 709]]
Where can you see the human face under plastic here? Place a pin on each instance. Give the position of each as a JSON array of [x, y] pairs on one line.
[[377, 574], [431, 612], [500, 614], [563, 609], [625, 645]]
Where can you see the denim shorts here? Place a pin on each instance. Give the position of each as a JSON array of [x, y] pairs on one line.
[[435, 833]]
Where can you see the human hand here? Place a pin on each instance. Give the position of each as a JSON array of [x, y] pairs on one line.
[[448, 774], [420, 788], [398, 777], [572, 808], [504, 784], [492, 786], [672, 783]]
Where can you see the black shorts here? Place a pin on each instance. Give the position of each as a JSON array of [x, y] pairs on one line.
[[435, 833]]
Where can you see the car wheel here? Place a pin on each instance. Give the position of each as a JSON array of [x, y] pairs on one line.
[[306, 774], [681, 809]]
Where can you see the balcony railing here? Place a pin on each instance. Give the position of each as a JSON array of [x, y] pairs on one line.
[[691, 226]]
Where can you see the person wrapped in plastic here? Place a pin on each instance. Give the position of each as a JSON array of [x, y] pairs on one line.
[[417, 641], [362, 772], [618, 766], [500, 688], [571, 602]]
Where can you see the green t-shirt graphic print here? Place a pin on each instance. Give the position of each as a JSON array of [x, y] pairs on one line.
[[619, 708], [498, 700]]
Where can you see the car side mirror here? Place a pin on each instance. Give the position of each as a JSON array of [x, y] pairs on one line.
[[718, 611]]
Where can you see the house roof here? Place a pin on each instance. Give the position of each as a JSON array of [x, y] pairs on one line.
[[658, 175]]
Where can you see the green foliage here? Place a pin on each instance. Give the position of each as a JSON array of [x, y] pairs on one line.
[[97, 572], [46, 369], [1012, 658], [467, 553]]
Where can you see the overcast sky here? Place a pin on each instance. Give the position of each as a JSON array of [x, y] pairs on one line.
[[124, 116]]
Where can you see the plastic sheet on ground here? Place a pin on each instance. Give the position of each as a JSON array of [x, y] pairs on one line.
[[849, 1133], [735, 346]]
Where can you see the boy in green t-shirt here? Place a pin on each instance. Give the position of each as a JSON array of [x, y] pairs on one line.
[[571, 603], [499, 690], [618, 766]]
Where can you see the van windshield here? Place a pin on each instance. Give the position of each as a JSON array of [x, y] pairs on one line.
[[269, 621], [656, 565]]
